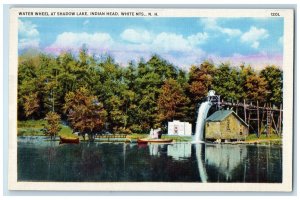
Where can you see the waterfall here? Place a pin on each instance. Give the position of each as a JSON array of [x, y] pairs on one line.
[[202, 114]]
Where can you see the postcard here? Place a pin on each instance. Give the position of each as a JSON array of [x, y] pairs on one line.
[[144, 99]]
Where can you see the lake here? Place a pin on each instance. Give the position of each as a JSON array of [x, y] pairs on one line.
[[42, 160]]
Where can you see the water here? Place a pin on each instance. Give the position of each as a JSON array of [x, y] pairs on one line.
[[40, 160], [202, 114]]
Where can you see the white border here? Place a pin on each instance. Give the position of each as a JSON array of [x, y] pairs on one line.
[[155, 186]]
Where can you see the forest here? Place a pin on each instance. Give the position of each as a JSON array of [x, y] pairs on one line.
[[97, 95]]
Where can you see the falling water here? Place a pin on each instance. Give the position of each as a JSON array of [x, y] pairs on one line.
[[202, 114]]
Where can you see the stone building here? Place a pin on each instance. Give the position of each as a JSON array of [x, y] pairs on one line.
[[225, 125]]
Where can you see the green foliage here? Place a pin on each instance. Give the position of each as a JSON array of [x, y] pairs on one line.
[[274, 78], [227, 83], [98, 95]]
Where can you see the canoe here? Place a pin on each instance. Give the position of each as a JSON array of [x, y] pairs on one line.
[[69, 140], [146, 140]]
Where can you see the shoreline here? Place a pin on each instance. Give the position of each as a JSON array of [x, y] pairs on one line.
[[128, 140]]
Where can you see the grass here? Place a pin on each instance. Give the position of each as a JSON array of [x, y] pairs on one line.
[[136, 136], [32, 124], [66, 132], [34, 128], [31, 127], [178, 138], [262, 137]]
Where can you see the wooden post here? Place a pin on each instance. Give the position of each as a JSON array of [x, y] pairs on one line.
[[263, 117], [275, 126], [269, 122], [245, 114], [280, 120], [258, 133]]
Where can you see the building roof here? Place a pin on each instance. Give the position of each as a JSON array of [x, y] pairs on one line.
[[220, 115]]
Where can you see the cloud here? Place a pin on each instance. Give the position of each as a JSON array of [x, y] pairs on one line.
[[198, 38], [180, 50], [255, 44], [136, 36], [74, 41], [231, 32], [27, 29], [164, 41], [211, 24], [171, 42], [28, 43], [86, 22], [177, 49], [28, 35], [254, 35], [256, 61]]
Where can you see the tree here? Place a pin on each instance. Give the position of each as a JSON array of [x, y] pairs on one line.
[[53, 124], [85, 113], [200, 80], [172, 102], [274, 77], [31, 104], [255, 87], [227, 83]]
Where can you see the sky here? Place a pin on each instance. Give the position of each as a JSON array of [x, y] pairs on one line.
[[182, 41]]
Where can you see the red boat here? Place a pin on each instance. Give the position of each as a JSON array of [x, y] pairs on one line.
[[69, 140], [146, 140]]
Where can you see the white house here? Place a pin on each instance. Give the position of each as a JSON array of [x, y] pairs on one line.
[[177, 127]]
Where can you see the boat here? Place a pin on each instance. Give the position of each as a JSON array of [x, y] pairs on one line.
[[69, 140], [151, 140]]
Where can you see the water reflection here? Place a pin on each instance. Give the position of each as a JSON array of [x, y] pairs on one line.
[[42, 160], [225, 157], [180, 151], [200, 149]]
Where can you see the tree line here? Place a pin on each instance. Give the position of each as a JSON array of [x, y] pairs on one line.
[[94, 95]]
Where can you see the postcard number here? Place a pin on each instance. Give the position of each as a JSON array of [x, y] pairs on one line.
[[275, 14]]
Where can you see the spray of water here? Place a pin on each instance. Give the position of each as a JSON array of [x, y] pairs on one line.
[[202, 115]]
